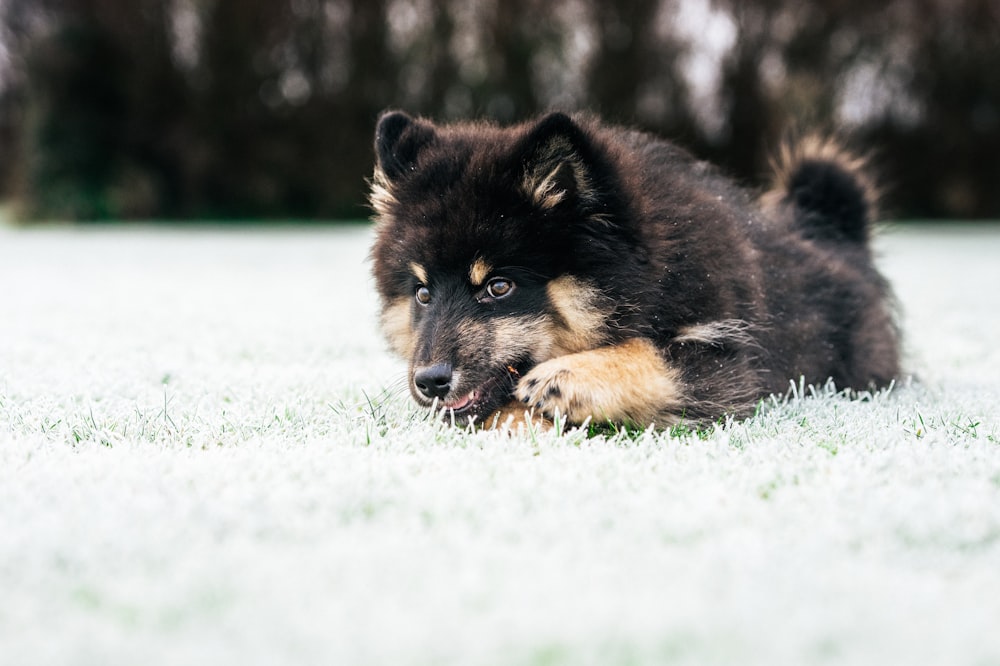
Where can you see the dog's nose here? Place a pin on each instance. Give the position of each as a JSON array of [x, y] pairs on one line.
[[433, 381]]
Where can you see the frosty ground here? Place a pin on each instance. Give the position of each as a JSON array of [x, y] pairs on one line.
[[207, 456]]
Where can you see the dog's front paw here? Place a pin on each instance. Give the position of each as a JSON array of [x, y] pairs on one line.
[[556, 387], [625, 383]]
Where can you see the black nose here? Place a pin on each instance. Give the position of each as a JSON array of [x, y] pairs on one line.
[[433, 381]]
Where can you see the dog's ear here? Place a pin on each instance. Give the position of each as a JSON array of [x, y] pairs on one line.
[[556, 156], [399, 139]]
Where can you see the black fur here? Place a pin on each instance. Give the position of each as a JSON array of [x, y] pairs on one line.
[[829, 201], [738, 296]]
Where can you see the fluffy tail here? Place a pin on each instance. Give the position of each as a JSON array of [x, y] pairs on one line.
[[828, 189]]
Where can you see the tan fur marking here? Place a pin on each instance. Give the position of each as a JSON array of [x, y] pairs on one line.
[[381, 197], [396, 326], [629, 382], [582, 319], [541, 182], [479, 271], [419, 272], [512, 338], [718, 332], [545, 194]]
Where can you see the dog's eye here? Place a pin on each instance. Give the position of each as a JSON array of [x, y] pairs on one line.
[[499, 287], [423, 295]]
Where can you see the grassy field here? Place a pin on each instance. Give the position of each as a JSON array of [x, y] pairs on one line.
[[207, 456]]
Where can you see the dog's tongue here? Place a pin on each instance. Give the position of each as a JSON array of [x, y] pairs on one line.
[[461, 403]]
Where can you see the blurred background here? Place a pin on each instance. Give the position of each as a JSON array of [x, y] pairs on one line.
[[265, 109]]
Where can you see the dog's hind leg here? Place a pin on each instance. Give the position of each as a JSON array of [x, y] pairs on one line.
[[629, 382]]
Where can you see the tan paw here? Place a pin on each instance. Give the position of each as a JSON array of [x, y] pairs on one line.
[[624, 383], [557, 387]]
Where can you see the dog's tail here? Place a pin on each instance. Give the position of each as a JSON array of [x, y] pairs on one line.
[[828, 189]]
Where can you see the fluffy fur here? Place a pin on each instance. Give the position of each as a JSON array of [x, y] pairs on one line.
[[601, 273]]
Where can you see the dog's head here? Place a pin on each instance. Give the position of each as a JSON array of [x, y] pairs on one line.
[[481, 232]]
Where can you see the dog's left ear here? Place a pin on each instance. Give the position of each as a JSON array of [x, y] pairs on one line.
[[556, 157], [399, 139]]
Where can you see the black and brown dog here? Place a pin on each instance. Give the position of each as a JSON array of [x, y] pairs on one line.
[[601, 273]]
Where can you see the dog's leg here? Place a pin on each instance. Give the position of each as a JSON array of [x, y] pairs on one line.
[[625, 383]]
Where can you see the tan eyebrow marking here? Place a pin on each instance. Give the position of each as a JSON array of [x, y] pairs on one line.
[[478, 272], [419, 271]]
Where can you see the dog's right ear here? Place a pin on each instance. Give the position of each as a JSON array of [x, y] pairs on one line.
[[557, 159], [399, 139]]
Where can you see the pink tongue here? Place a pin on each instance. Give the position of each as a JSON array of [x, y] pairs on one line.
[[461, 403]]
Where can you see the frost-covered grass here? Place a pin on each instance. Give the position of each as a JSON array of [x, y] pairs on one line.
[[206, 456]]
